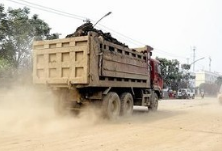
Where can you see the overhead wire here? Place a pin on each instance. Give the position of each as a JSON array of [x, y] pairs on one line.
[[124, 36], [169, 54], [77, 16], [62, 13], [47, 9], [137, 42]]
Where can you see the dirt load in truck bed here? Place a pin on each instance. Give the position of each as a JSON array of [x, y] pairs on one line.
[[87, 27]]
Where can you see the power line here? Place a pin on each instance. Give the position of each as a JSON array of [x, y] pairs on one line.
[[47, 9], [62, 13], [169, 54], [77, 16], [124, 36], [137, 42], [51, 10]]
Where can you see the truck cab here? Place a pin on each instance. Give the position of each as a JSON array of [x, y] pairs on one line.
[[156, 78]]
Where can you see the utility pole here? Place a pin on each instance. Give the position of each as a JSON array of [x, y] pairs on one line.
[[194, 55], [210, 64]]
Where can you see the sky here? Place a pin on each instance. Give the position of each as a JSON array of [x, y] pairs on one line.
[[174, 28]]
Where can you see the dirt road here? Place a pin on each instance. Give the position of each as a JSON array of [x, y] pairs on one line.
[[179, 125]]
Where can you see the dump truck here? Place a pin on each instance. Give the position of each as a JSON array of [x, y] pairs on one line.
[[89, 69]]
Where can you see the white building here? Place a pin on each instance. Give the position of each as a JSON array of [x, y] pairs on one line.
[[205, 77]]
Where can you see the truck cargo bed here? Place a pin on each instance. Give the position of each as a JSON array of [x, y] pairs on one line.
[[89, 61]]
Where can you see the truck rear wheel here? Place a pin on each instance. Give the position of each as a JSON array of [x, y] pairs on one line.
[[111, 105], [154, 102], [126, 104]]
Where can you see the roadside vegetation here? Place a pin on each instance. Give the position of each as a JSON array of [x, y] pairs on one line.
[[18, 30]]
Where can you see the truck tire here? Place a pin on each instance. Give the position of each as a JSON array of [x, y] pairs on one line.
[[154, 102], [111, 105], [126, 108]]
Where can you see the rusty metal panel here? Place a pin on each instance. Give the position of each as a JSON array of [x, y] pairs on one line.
[[122, 66], [111, 67], [61, 61]]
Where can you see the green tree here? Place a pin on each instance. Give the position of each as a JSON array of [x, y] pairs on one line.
[[185, 66], [4, 67], [173, 77], [17, 33], [170, 72]]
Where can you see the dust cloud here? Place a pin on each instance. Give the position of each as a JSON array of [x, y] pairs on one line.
[[30, 109]]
